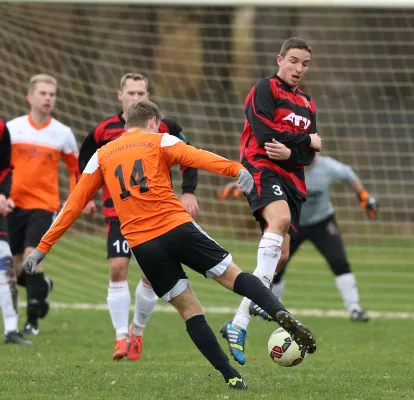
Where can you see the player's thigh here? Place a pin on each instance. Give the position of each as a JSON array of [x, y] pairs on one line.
[[38, 223], [327, 239], [16, 226], [268, 200], [195, 248], [161, 268], [116, 245]]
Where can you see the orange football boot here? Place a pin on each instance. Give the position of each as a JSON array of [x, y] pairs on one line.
[[121, 348], [135, 347]]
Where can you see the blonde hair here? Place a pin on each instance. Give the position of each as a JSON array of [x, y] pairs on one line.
[[41, 78], [138, 113], [135, 77]]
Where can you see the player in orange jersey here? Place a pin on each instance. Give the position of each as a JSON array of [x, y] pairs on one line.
[[39, 142], [161, 233], [129, 340]]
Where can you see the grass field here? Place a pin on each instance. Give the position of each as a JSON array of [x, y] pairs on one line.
[[71, 358]]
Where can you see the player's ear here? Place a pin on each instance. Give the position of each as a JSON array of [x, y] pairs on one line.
[[279, 60], [119, 95]]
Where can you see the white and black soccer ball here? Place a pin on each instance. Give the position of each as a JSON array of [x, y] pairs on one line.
[[283, 350]]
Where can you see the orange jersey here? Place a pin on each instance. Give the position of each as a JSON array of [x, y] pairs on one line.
[[36, 153], [136, 170]]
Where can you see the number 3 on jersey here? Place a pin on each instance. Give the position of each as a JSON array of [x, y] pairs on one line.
[[137, 178], [276, 190]]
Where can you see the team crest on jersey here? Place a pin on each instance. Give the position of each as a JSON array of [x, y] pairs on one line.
[[306, 101]]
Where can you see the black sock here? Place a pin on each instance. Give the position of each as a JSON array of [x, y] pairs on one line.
[[36, 293], [205, 340], [21, 280], [251, 286]]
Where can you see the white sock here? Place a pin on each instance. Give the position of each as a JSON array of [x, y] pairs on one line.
[[119, 300], [145, 300], [7, 305], [347, 286], [278, 289], [268, 256]]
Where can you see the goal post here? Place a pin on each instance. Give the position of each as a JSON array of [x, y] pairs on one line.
[[202, 57]]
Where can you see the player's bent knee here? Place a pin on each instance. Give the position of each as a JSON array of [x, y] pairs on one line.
[[227, 278], [178, 289], [340, 267], [118, 269], [145, 281]]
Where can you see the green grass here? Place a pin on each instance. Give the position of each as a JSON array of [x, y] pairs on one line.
[[71, 358]]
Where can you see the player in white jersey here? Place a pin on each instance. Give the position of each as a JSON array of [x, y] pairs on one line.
[[39, 142], [318, 224]]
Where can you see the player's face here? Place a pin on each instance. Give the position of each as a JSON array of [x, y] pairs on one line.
[[293, 66], [43, 97], [133, 91]]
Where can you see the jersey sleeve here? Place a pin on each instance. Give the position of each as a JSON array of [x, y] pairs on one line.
[[177, 152], [5, 160], [189, 174], [260, 110], [339, 171], [87, 150], [90, 182], [70, 156]]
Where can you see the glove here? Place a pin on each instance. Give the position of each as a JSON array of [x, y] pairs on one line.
[[32, 261], [368, 203], [245, 180], [231, 188]]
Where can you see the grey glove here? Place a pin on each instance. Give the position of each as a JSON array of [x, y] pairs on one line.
[[245, 180], [32, 261]]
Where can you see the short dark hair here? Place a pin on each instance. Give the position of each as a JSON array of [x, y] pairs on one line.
[[294, 43], [135, 77], [138, 113]]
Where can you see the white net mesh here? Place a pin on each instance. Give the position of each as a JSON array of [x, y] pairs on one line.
[[201, 62]]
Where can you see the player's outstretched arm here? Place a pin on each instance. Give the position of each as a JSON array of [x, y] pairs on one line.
[[89, 184], [344, 173], [177, 152]]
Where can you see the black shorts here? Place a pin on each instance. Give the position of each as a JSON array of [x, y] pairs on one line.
[[160, 259], [3, 229], [27, 227], [270, 187], [116, 244]]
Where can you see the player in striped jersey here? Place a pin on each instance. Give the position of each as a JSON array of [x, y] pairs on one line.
[[128, 343], [276, 108]]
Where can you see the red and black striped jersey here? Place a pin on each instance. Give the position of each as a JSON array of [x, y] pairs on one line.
[[5, 160], [274, 110], [112, 128]]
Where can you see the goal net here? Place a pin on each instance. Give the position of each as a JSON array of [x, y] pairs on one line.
[[201, 62]]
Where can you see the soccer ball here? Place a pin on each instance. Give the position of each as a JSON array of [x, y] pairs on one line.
[[283, 350]]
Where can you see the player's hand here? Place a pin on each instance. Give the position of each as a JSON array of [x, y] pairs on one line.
[[189, 201], [3, 205], [245, 180], [231, 188], [316, 142], [369, 204], [90, 208], [33, 260], [277, 151]]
